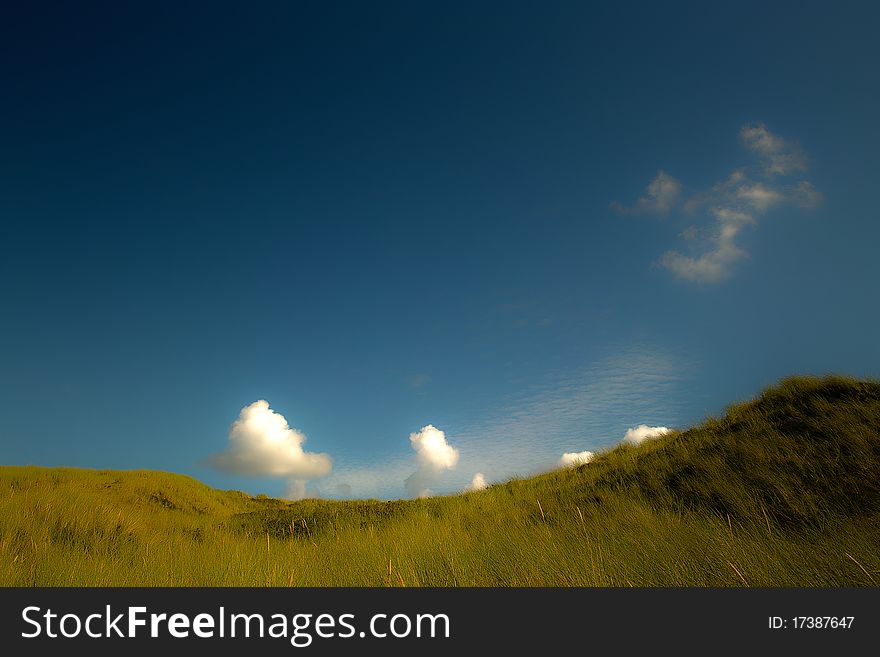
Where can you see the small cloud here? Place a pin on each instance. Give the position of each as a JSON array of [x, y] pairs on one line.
[[690, 234], [262, 444], [342, 490], [779, 156], [295, 490], [432, 449], [804, 195], [739, 199], [713, 265], [759, 197], [418, 381], [643, 432], [660, 197], [434, 456], [573, 459], [728, 216], [477, 483], [720, 192]]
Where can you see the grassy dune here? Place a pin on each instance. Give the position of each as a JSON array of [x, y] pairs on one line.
[[783, 490]]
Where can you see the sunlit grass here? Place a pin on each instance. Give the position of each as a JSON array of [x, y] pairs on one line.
[[781, 491]]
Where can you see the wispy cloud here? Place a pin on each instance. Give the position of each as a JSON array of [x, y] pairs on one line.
[[419, 381], [583, 409], [714, 264], [342, 490], [569, 411], [779, 156], [804, 195], [382, 478], [660, 197], [758, 197], [737, 201]]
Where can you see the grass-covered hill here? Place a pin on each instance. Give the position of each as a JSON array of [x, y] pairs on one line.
[[783, 490]]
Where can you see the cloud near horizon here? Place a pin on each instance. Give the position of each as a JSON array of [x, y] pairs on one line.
[[477, 483], [262, 444], [434, 456], [296, 490], [527, 435], [643, 432], [573, 459], [633, 436], [734, 203]]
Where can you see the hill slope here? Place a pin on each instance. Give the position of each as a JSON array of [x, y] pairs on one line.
[[783, 490]]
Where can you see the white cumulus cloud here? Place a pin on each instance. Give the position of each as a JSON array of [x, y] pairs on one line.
[[642, 433], [572, 459], [477, 483], [262, 444], [434, 455]]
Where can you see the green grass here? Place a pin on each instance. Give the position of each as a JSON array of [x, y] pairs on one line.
[[783, 490]]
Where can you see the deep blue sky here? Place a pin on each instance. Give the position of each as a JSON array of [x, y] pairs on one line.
[[380, 218]]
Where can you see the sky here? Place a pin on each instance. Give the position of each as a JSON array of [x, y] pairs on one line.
[[353, 250]]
